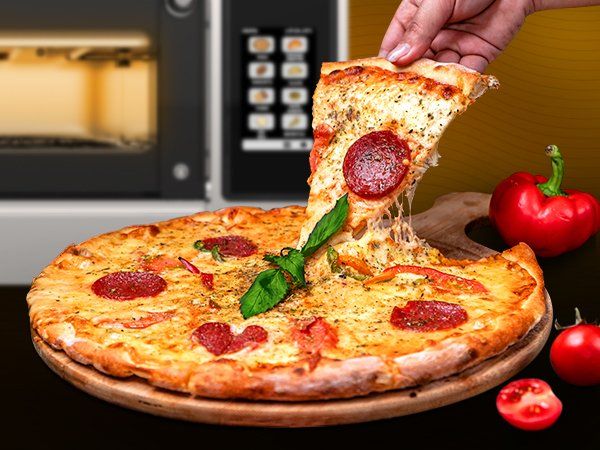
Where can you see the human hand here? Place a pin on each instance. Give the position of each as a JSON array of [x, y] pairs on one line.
[[469, 32]]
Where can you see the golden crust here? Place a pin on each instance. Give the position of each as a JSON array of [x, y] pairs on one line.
[[471, 83], [372, 358]]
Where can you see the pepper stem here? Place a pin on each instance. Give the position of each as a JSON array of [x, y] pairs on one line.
[[551, 188]]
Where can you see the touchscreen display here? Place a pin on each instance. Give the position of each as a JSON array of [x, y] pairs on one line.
[[277, 84]]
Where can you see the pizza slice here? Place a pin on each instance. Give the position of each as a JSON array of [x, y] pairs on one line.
[[376, 129]]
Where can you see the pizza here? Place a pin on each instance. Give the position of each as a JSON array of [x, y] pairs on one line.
[[239, 303], [403, 110], [125, 303]]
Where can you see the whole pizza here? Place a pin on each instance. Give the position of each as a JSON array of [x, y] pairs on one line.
[[335, 300]]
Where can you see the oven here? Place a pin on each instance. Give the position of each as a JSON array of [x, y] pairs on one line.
[[115, 112], [101, 99]]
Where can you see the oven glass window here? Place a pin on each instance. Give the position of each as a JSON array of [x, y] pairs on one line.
[[77, 93]]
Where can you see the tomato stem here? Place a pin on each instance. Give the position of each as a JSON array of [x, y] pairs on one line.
[[578, 318], [551, 188]]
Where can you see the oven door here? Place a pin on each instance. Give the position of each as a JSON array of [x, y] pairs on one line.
[[101, 98]]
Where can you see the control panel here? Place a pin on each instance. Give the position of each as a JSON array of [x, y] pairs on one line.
[[276, 89], [274, 52]]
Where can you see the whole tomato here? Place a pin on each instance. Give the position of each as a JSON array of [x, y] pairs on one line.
[[575, 353]]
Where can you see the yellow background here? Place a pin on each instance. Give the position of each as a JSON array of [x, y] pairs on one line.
[[549, 93]]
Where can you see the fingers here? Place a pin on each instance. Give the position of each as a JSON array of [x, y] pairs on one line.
[[414, 35], [396, 29], [449, 56], [471, 49], [475, 62]]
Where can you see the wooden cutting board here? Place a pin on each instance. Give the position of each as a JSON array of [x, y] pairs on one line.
[[444, 227]]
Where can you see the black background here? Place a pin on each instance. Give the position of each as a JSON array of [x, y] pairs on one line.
[[44, 412]]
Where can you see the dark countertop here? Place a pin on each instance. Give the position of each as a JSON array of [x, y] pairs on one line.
[[43, 411]]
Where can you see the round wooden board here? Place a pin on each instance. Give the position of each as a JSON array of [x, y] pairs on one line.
[[443, 229]]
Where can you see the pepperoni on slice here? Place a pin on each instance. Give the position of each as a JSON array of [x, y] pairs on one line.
[[428, 316], [315, 335], [376, 164], [218, 338], [251, 336], [129, 285], [231, 245]]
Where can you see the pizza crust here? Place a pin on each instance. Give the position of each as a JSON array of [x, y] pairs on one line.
[[471, 83]]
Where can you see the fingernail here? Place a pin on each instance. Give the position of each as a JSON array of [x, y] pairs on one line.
[[398, 52]]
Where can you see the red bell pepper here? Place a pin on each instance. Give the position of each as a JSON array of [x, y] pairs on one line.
[[535, 210]]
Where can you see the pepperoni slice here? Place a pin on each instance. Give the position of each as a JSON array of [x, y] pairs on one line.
[[218, 338], [376, 164], [208, 280], [129, 285], [251, 336], [314, 336], [231, 245], [428, 316]]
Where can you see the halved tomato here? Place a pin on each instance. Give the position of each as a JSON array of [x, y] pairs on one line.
[[529, 404]]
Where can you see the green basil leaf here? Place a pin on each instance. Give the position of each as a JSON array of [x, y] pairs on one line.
[[268, 289], [329, 224], [270, 286], [292, 263], [199, 245]]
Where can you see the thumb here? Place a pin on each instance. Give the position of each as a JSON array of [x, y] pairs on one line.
[[420, 30]]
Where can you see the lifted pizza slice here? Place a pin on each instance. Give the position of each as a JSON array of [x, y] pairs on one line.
[[376, 129]]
